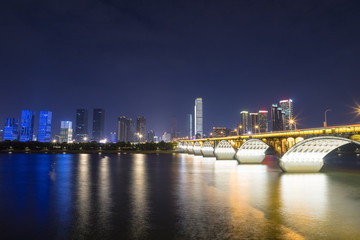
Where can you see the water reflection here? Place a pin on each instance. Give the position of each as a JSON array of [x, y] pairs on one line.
[[83, 183], [104, 193], [139, 202]]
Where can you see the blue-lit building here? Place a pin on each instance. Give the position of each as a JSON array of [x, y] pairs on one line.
[[44, 131], [27, 125], [11, 129]]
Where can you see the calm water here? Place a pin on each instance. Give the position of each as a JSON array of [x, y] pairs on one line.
[[171, 196]]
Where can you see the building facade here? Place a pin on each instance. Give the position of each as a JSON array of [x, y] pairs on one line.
[[27, 125], [254, 122], [123, 129], [44, 130], [98, 130], [198, 116], [221, 132], [244, 125], [66, 132], [81, 125], [11, 129], [189, 130], [150, 136], [288, 107], [141, 128], [263, 121]]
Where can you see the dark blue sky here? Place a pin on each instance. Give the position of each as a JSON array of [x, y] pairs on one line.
[[153, 58]]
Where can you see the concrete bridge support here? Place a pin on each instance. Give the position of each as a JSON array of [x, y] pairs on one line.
[[224, 151], [190, 148], [252, 151], [197, 149], [208, 149], [308, 155]]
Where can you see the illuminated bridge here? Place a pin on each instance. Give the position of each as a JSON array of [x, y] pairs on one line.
[[301, 150]]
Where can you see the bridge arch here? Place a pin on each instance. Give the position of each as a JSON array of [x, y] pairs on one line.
[[224, 151], [197, 149], [252, 151], [207, 149], [190, 148], [308, 155]]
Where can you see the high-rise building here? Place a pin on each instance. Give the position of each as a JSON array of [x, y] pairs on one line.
[[263, 121], [221, 132], [66, 132], [131, 134], [27, 125], [112, 137], [189, 131], [11, 129], [244, 125], [254, 122], [277, 118], [198, 116], [81, 128], [141, 128], [123, 129], [150, 136], [44, 130], [98, 132], [288, 108]]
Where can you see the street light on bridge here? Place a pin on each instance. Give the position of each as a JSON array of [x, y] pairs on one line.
[[325, 122], [292, 122]]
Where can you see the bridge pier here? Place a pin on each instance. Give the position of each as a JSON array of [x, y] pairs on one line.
[[197, 149], [224, 151], [207, 149], [252, 151]]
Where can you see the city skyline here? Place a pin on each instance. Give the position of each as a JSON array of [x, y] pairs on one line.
[[256, 53]]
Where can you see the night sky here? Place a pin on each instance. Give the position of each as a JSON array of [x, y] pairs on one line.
[[153, 58]]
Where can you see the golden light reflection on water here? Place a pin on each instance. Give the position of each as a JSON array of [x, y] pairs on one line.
[[104, 191], [139, 198], [83, 191]]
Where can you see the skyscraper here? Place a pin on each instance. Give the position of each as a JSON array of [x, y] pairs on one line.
[[263, 121], [11, 129], [81, 128], [189, 131], [244, 125], [27, 125], [44, 131], [141, 128], [198, 116], [66, 131], [277, 118], [123, 129], [288, 108], [254, 122], [98, 132], [150, 136]]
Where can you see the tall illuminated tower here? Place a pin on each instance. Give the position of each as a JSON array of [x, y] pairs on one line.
[[263, 121], [27, 125], [11, 129], [244, 125], [44, 131], [254, 122], [189, 128], [288, 108], [141, 128], [98, 132], [66, 131], [198, 116], [81, 127]]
